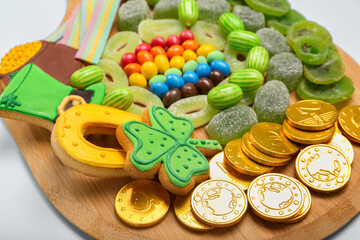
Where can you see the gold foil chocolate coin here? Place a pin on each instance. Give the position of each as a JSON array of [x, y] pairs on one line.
[[269, 139], [182, 207], [306, 204], [142, 203], [342, 144], [307, 137], [218, 203], [349, 121], [237, 159], [311, 115], [275, 197], [220, 170], [323, 168]]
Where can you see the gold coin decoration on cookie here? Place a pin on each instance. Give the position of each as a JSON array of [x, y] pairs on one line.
[[260, 157], [307, 137], [342, 144], [220, 170], [219, 203], [237, 159], [323, 168], [182, 207], [275, 197], [142, 203], [306, 204], [311, 115], [349, 121], [269, 139]]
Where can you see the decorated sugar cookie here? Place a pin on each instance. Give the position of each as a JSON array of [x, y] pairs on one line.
[[162, 144]]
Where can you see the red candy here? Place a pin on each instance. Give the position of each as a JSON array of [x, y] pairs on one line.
[[127, 58], [142, 47], [157, 51], [173, 40], [186, 35], [175, 50], [132, 68], [143, 57], [158, 41]]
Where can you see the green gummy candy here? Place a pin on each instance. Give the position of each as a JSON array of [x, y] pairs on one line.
[[157, 78], [190, 66], [173, 71], [253, 20], [211, 10], [235, 59], [131, 13], [150, 28], [165, 9], [117, 74]]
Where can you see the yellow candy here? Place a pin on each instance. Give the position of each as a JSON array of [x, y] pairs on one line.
[[149, 70], [162, 62], [205, 49], [177, 62], [137, 79], [189, 55]]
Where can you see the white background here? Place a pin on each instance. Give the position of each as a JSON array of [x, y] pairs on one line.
[[25, 212]]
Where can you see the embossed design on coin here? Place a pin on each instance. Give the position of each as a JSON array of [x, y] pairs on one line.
[[342, 144], [349, 121]]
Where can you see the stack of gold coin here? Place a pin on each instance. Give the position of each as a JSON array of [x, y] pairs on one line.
[[279, 198], [310, 122], [349, 122]]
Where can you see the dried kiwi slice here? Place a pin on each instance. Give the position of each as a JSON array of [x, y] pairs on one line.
[[329, 72], [312, 50], [331, 93], [283, 23], [270, 7], [305, 27]]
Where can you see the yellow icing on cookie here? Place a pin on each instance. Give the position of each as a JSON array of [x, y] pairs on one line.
[[18, 56], [72, 124]]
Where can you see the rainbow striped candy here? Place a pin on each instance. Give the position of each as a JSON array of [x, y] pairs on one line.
[[258, 58], [121, 99], [229, 22], [247, 79], [86, 11], [72, 30], [243, 41], [86, 76], [188, 12], [224, 96], [58, 34]]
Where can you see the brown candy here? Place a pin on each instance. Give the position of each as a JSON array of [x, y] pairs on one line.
[[189, 90], [171, 96], [204, 85], [216, 77]]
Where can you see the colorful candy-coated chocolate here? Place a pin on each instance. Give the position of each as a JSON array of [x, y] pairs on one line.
[[173, 71], [189, 55], [201, 59], [204, 85], [216, 77], [132, 68], [175, 50], [189, 90], [229, 22], [248, 79], [143, 47], [190, 44], [162, 63], [86, 76], [215, 55], [157, 78], [205, 49], [171, 96], [188, 12], [174, 81], [221, 66], [243, 41], [203, 70], [258, 58], [173, 40], [190, 66], [224, 96], [157, 50], [159, 89], [149, 70], [137, 79], [186, 35], [121, 99], [177, 62], [127, 58], [190, 77], [158, 41], [143, 57]]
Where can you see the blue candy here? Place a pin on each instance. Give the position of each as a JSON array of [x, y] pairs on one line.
[[221, 66], [159, 89], [190, 77], [174, 81], [203, 70]]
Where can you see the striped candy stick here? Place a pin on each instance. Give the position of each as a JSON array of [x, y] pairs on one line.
[[58, 34], [247, 79], [98, 31], [86, 11], [72, 31], [121, 99], [243, 41], [258, 58], [229, 22]]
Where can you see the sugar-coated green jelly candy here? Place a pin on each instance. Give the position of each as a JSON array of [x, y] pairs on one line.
[[215, 55], [84, 77], [271, 102], [273, 41], [209, 33], [248, 98], [173, 71], [166, 9], [210, 10], [258, 58], [143, 99], [253, 20], [149, 28], [329, 72], [270, 7], [120, 98], [247, 79], [119, 44], [224, 96], [201, 59], [235, 59], [114, 76], [282, 23], [131, 13], [196, 109], [190, 66], [311, 50], [332, 93], [229, 22], [157, 78], [234, 3], [307, 28], [243, 41], [287, 68], [188, 12], [231, 123]]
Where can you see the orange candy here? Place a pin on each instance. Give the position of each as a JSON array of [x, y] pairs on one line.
[[175, 50], [190, 44], [144, 56], [132, 68], [157, 50]]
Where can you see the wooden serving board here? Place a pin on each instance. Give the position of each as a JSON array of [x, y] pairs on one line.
[[88, 202]]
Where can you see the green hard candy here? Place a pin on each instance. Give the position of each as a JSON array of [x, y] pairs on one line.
[[173, 71], [190, 66], [157, 78], [188, 12], [243, 41], [131, 13], [258, 58], [247, 79], [215, 55], [224, 96], [84, 77], [229, 22], [121, 99]]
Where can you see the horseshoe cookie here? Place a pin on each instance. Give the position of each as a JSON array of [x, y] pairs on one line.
[[71, 147]]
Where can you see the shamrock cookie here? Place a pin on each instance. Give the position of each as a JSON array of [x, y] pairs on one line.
[[162, 144]]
